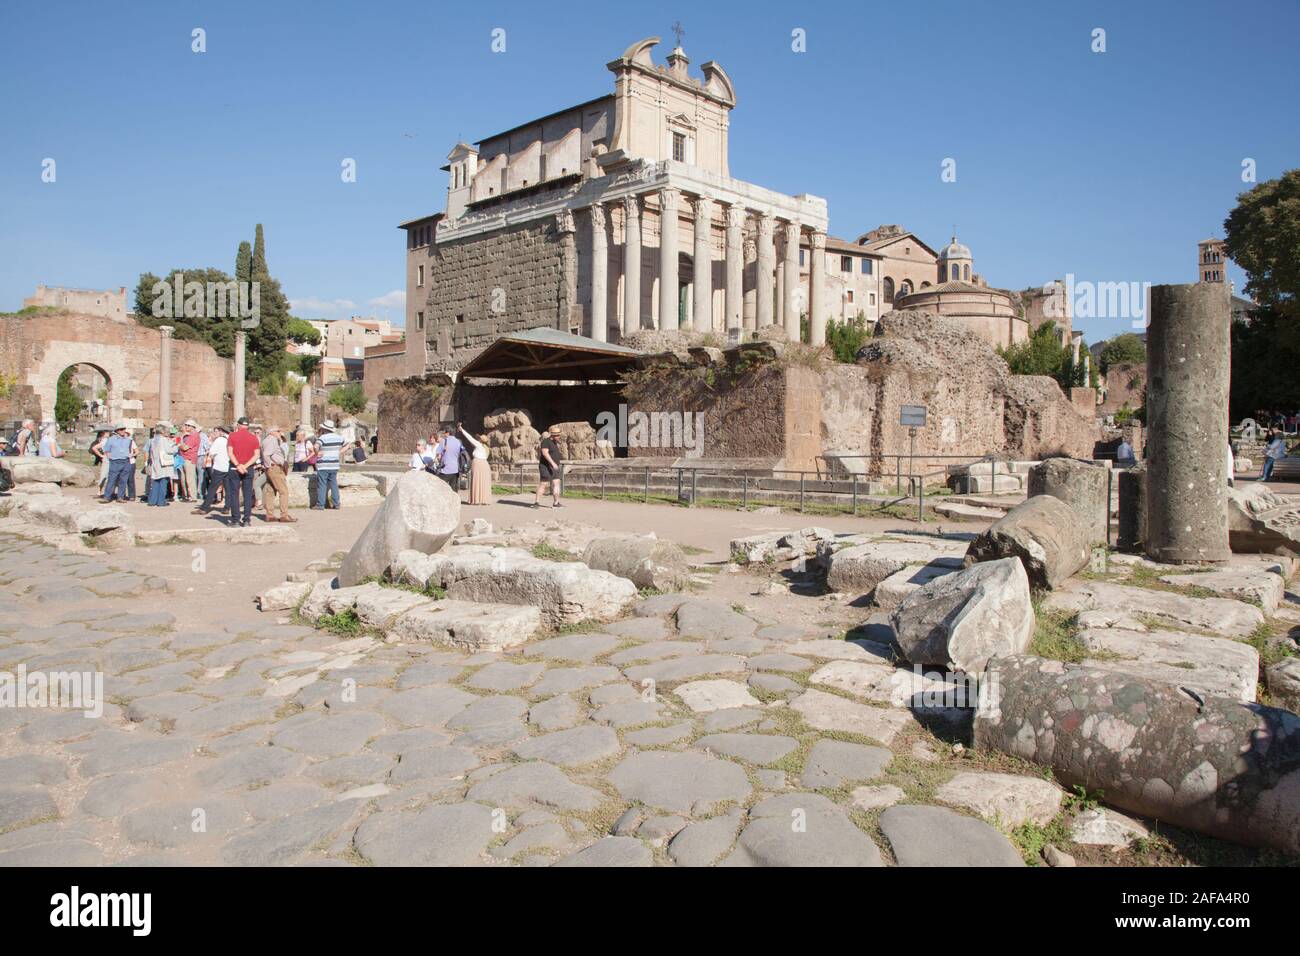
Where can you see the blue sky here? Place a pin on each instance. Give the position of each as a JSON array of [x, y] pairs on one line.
[[1110, 166]]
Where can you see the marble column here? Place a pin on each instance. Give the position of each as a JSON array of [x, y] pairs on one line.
[[240, 344], [703, 264], [668, 291], [790, 302], [750, 321], [735, 267], [568, 269], [304, 404], [764, 267], [165, 374], [631, 264], [817, 289], [599, 274]]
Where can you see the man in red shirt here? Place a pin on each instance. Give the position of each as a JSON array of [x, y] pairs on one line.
[[245, 450], [189, 449]]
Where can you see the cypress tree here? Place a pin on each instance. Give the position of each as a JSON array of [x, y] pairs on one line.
[[259, 252], [244, 263]]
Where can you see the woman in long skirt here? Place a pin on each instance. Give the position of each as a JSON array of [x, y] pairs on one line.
[[480, 472]]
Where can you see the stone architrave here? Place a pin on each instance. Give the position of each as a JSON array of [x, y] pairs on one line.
[[599, 274], [1211, 764], [1188, 351]]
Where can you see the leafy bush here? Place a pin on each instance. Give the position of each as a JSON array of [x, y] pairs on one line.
[[350, 397]]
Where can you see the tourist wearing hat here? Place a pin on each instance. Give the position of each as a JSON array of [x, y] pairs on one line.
[[329, 449], [274, 460], [118, 449], [245, 450], [188, 445], [218, 465], [550, 468], [161, 464]]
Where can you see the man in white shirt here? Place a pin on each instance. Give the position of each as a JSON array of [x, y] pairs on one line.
[[219, 461]]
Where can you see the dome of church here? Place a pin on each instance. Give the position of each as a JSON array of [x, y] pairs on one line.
[[954, 250]]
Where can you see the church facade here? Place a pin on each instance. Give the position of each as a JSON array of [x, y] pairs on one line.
[[612, 216]]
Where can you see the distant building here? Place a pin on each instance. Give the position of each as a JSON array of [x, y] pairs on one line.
[[344, 343], [1211, 260], [907, 264], [106, 303]]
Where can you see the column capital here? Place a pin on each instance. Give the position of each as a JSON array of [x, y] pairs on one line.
[[791, 228], [240, 335], [818, 240], [702, 206], [766, 225], [668, 197], [736, 216], [597, 211], [166, 330], [564, 221], [632, 206]]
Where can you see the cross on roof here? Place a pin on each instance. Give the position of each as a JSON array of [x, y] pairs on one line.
[[678, 31]]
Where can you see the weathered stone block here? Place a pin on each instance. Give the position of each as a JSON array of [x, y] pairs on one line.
[[1047, 535]]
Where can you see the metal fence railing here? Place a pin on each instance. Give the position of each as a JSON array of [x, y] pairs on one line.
[[686, 484]]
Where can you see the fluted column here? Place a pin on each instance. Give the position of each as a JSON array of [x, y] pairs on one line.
[[790, 306], [240, 338], [631, 264], [735, 267], [668, 291], [599, 274], [703, 264], [750, 283], [165, 374], [765, 266], [817, 289]]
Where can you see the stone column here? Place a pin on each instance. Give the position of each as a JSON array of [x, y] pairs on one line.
[[1205, 762], [1188, 370], [750, 283], [735, 267], [790, 303], [240, 338], [703, 206], [599, 274], [165, 374], [304, 405], [631, 264], [766, 264], [817, 289], [568, 269], [668, 291]]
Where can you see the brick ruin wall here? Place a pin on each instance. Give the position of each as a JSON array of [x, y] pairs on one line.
[[1126, 384], [35, 349]]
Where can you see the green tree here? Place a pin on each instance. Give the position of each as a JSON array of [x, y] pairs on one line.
[[244, 263], [302, 331], [307, 365], [1043, 354], [215, 331], [1126, 348], [1262, 235], [267, 339], [67, 403], [259, 251], [350, 397], [845, 339]]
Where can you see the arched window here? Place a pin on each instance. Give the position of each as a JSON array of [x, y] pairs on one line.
[[905, 288], [888, 289], [966, 269]]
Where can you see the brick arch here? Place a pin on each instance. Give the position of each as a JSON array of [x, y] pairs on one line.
[[35, 349]]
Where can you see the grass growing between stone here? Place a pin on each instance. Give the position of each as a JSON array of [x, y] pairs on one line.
[[548, 552], [345, 623], [1055, 635]]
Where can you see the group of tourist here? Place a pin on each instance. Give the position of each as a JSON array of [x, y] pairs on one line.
[[445, 456], [233, 470]]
